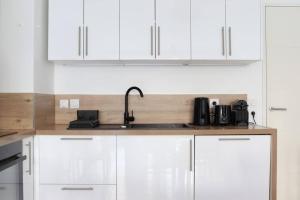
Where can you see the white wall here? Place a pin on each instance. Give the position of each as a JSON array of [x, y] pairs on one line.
[[72, 79], [16, 46], [23, 47]]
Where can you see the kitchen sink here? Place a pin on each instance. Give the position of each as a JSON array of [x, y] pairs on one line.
[[157, 126], [144, 126]]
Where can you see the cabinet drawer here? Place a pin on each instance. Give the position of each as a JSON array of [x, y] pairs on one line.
[[78, 192], [77, 160]]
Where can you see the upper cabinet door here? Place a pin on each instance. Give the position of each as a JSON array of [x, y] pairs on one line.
[[65, 41], [244, 29], [208, 29], [173, 29], [101, 20], [137, 24], [155, 167]]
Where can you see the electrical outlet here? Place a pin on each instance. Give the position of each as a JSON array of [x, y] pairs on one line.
[[212, 101], [64, 103], [74, 103]]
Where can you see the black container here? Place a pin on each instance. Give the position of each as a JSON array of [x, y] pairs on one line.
[[222, 115], [201, 112]]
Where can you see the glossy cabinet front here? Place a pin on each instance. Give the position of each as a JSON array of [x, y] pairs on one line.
[[155, 167], [77, 160], [232, 167]]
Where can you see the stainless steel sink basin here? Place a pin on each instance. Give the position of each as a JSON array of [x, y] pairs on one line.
[[157, 126], [143, 126]]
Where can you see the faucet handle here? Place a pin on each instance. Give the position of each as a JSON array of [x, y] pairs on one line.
[[131, 118]]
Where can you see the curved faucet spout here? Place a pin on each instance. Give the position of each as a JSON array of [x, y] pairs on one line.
[[135, 88], [128, 118]]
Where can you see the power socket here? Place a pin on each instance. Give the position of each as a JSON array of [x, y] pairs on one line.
[[64, 104], [212, 101], [74, 103]]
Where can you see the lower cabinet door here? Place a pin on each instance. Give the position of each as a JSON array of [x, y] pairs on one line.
[[232, 167], [68, 160], [78, 192], [155, 167]]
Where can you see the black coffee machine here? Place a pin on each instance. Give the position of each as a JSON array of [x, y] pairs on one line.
[[240, 114], [201, 112]]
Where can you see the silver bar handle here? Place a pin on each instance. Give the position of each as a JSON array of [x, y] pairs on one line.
[[230, 40], [76, 139], [29, 171], [158, 40], [86, 41], [79, 41], [151, 40], [191, 155], [278, 109], [234, 139], [223, 41], [77, 189]]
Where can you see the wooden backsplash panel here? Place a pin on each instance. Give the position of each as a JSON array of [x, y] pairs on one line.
[[44, 110], [150, 109], [16, 111]]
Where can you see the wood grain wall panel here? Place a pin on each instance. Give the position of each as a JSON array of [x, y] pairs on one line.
[[16, 111], [150, 109], [44, 110]]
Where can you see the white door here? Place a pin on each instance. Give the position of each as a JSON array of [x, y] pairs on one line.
[[65, 37], [77, 160], [77, 192], [101, 20], [208, 29], [155, 168], [28, 176], [232, 167], [243, 18], [173, 29], [137, 27], [283, 61]]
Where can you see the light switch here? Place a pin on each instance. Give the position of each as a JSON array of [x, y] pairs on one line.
[[64, 103], [74, 103]]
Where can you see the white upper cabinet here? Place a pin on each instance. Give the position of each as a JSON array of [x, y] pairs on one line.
[[155, 167], [232, 167], [77, 160], [226, 29], [83, 30], [244, 29], [137, 29], [101, 21], [65, 38], [173, 29], [208, 29]]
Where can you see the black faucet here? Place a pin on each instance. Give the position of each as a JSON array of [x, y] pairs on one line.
[[128, 118]]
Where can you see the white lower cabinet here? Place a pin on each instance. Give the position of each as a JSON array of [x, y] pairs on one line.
[[28, 169], [155, 167], [77, 160], [78, 192], [232, 167]]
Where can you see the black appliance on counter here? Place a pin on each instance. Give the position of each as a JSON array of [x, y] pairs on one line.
[[201, 112], [240, 114], [11, 171], [222, 115], [85, 119]]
